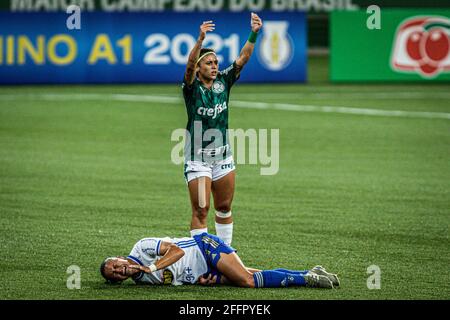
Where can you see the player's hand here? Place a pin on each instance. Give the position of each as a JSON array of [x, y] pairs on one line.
[[146, 269], [208, 281], [256, 22], [136, 267], [207, 26], [140, 268]]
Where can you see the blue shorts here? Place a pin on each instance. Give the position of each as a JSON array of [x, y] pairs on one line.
[[212, 246]]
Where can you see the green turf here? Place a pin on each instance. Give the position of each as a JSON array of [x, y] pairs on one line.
[[84, 179]]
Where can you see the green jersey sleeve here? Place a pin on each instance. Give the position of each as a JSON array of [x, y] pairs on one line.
[[230, 74], [188, 89]]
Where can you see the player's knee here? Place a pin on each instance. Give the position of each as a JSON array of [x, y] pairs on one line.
[[202, 213], [224, 206], [248, 282]]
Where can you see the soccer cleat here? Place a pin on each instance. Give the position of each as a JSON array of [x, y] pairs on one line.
[[314, 280], [332, 276]]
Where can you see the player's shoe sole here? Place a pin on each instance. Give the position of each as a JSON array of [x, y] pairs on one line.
[[314, 280], [332, 276]]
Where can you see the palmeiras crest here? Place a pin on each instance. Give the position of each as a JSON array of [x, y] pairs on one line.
[[218, 87]]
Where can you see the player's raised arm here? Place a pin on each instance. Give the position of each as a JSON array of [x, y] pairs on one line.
[[189, 75], [247, 49]]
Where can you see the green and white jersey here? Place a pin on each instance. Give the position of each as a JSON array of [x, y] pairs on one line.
[[207, 111]]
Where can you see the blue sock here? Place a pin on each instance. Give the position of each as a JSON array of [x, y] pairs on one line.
[[298, 272], [277, 279]]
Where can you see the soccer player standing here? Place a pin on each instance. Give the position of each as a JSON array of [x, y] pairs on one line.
[[209, 165]]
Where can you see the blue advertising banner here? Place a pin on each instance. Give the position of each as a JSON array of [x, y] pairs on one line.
[[144, 47]]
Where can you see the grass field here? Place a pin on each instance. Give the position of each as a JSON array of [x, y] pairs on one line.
[[85, 172]]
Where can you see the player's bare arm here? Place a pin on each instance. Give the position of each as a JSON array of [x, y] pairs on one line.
[[189, 76], [171, 254], [247, 49]]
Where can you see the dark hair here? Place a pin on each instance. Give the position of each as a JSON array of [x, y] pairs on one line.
[[205, 50], [102, 271]]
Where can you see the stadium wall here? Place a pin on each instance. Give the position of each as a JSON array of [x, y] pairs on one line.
[[408, 45], [143, 47], [318, 10]]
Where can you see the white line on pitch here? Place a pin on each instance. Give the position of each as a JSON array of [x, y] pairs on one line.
[[235, 103], [351, 95]]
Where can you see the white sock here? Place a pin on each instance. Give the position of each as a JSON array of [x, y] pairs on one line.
[[195, 232], [225, 232]]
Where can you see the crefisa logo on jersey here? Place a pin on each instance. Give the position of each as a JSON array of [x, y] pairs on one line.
[[218, 87], [276, 47], [422, 45]]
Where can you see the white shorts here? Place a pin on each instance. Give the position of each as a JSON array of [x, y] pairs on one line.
[[214, 170]]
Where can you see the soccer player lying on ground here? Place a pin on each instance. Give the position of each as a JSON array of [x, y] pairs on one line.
[[204, 259]]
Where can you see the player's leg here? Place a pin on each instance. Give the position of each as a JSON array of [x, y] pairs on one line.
[[253, 270], [223, 258], [274, 278], [216, 277], [223, 192], [231, 266], [199, 193]]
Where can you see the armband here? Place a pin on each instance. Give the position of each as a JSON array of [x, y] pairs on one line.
[[252, 37], [152, 267]]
